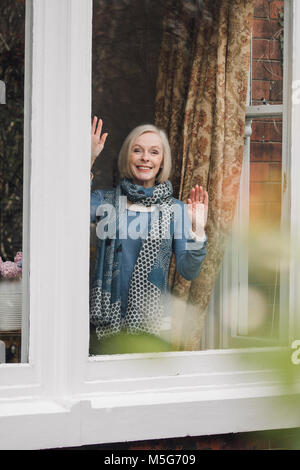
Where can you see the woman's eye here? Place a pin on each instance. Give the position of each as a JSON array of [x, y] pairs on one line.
[[136, 150]]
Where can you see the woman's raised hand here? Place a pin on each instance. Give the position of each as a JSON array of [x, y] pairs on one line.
[[198, 209], [98, 140]]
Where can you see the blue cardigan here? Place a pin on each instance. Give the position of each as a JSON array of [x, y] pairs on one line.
[[189, 253]]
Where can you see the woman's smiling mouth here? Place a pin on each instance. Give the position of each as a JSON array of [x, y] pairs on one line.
[[144, 168]]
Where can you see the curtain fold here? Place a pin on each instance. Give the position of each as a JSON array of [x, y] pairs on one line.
[[200, 103]]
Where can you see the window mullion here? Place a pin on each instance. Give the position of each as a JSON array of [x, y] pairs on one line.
[[59, 192]]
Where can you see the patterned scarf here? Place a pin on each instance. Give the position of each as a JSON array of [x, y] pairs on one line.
[[144, 307]]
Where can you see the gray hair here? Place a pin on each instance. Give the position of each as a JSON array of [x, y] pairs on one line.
[[123, 160]]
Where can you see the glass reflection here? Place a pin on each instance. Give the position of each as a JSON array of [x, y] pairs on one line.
[[12, 53], [166, 66]]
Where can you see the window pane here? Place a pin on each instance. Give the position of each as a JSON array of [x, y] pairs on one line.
[[265, 172], [127, 36], [267, 52], [126, 46], [12, 53], [264, 226]]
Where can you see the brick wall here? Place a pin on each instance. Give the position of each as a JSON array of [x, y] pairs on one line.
[[266, 53], [285, 439], [266, 139], [265, 172]]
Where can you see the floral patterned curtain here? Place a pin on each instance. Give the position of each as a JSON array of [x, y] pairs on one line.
[[200, 102]]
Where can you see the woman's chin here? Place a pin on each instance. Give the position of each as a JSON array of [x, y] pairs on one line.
[[144, 180]]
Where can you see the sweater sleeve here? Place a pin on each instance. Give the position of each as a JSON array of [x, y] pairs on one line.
[[189, 251], [96, 200]]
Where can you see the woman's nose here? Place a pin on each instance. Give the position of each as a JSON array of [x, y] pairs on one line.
[[145, 156]]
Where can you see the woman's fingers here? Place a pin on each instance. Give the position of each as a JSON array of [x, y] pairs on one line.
[[206, 198], [197, 194], [97, 140], [192, 196], [201, 194], [96, 132], [94, 122], [96, 129], [99, 128], [103, 138]]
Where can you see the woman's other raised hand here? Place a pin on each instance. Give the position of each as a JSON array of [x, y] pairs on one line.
[[198, 209], [97, 140]]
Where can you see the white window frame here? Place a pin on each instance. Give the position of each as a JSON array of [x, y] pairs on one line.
[[61, 397]]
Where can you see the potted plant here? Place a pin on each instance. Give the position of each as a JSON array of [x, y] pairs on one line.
[[11, 293]]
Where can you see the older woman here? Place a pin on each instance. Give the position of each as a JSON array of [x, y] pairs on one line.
[[139, 226]]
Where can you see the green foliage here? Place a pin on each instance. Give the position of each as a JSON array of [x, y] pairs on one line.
[[124, 343]]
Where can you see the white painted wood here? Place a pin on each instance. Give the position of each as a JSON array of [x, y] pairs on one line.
[[60, 217], [191, 413], [21, 379], [225, 303], [285, 316], [121, 417], [26, 180], [163, 370], [268, 110], [294, 180], [241, 249], [58, 139], [2, 352], [38, 424], [61, 397]]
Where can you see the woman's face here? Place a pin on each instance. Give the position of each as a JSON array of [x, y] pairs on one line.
[[145, 159]]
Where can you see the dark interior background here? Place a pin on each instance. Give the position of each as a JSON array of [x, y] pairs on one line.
[[126, 44], [12, 53]]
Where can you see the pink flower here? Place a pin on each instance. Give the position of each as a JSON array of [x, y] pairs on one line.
[[10, 270], [18, 257]]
